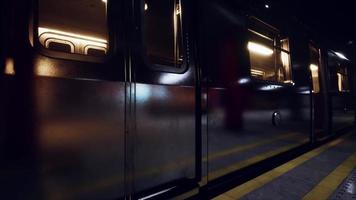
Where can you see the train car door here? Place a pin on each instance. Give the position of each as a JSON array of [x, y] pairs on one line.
[[162, 95], [319, 94], [65, 109], [341, 111]]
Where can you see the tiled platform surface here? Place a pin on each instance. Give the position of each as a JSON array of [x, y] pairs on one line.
[[327, 172], [347, 190]]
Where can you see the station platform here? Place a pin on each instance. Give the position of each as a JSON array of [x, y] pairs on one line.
[[326, 172]]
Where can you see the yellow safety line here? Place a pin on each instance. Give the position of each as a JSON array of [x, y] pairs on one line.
[[330, 183], [260, 181], [246, 147], [223, 197], [244, 163]]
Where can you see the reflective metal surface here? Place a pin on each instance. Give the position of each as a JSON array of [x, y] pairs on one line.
[[81, 138], [164, 144]]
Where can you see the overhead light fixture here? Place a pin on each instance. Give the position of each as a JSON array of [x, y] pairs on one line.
[[266, 6], [59, 33], [146, 6], [340, 55], [259, 49]]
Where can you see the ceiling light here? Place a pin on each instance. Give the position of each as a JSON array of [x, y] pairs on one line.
[[259, 49], [342, 56]]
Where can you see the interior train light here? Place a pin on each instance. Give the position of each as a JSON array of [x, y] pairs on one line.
[[266, 6], [259, 49], [342, 56], [146, 6], [313, 67], [42, 30], [339, 82], [9, 67], [105, 1], [178, 10], [77, 42]]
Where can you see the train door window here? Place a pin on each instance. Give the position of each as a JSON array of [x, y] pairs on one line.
[[269, 53], [73, 27], [314, 68], [163, 33]]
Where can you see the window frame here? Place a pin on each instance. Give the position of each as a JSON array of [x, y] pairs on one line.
[[36, 44], [313, 47], [343, 75], [334, 65], [276, 48], [184, 67]]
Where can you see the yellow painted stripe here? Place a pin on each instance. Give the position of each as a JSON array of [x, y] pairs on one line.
[[223, 197], [265, 178], [330, 183], [239, 165], [246, 147]]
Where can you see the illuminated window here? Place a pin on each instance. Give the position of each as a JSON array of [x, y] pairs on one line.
[[163, 32], [76, 27], [342, 80], [314, 68], [338, 73], [269, 53]]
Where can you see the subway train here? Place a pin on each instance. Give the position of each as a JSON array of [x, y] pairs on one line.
[[134, 99]]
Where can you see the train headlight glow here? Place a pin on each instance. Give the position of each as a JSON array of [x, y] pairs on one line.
[[259, 49]]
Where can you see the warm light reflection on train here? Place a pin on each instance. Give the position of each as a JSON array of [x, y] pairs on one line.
[[80, 44]]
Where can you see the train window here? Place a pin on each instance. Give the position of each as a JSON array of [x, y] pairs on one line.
[[163, 32], [269, 54], [314, 68], [75, 27], [342, 80], [338, 73]]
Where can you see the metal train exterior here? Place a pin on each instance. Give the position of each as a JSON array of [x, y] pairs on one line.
[[113, 99]]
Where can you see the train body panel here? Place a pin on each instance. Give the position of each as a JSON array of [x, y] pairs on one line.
[[80, 133], [164, 144]]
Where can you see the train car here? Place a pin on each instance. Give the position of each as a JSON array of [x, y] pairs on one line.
[[257, 89], [122, 99]]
